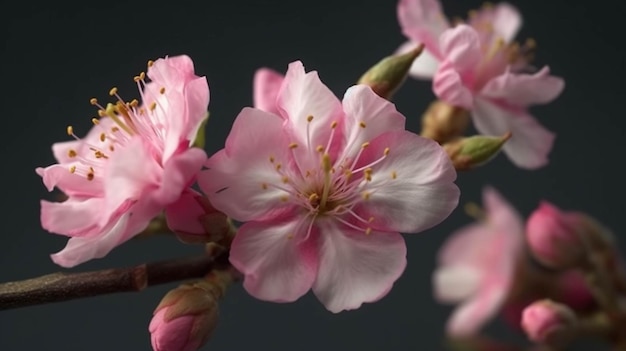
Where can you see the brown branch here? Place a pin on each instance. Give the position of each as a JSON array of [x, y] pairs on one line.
[[57, 287]]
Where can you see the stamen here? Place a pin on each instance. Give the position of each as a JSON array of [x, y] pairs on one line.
[[103, 137], [95, 121], [71, 153], [293, 145], [272, 159], [319, 149], [113, 91], [110, 111], [73, 169], [162, 90], [326, 167], [264, 186], [394, 175], [362, 125]]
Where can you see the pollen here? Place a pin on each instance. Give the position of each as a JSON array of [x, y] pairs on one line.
[[366, 195], [102, 113], [319, 148], [285, 179], [293, 145], [134, 103], [90, 176], [70, 130], [371, 219], [150, 63], [284, 198], [368, 231], [362, 125], [113, 91], [115, 129], [71, 153], [103, 137], [72, 169], [394, 175], [365, 145], [264, 186], [279, 166], [95, 121], [152, 106], [333, 125], [309, 118], [387, 150], [162, 90], [272, 159], [93, 101]]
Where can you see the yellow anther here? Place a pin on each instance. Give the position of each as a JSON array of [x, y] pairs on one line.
[[394, 175], [103, 137], [113, 91], [309, 118], [289, 236], [153, 106], [366, 195], [110, 111], [284, 198], [150, 63], [530, 43], [347, 173], [293, 145], [272, 159], [365, 145], [362, 125], [70, 130], [90, 174], [264, 186], [285, 179], [162, 90], [102, 113], [319, 148], [93, 101], [134, 103], [136, 79], [111, 148], [368, 231], [142, 75], [72, 169], [333, 125], [387, 150], [100, 154], [314, 197], [115, 129], [95, 121], [278, 166], [71, 153]]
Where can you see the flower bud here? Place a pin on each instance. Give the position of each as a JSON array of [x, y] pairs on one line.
[[554, 237], [197, 221], [443, 122], [474, 151], [548, 322], [388, 75], [187, 315]]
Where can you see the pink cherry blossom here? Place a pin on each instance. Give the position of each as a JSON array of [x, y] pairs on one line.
[[136, 161], [325, 187], [477, 66], [175, 334], [477, 265], [266, 84]]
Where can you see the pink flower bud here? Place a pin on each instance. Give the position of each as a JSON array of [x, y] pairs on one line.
[[553, 238], [184, 320], [546, 321]]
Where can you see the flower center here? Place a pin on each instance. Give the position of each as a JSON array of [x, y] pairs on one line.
[[128, 119]]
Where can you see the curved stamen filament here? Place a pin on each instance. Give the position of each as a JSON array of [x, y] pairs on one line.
[[326, 167]]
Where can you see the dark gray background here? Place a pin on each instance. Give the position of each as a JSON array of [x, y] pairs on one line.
[[56, 56]]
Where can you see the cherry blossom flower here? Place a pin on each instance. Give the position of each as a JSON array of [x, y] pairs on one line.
[[477, 66], [136, 161], [477, 265], [324, 188]]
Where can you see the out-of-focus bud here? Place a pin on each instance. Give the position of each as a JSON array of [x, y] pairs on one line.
[[572, 290], [386, 77], [187, 315], [443, 122], [197, 221], [474, 151], [548, 322]]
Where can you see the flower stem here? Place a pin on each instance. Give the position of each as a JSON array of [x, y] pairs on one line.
[[57, 287]]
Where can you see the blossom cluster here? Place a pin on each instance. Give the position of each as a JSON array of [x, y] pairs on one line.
[[324, 187]]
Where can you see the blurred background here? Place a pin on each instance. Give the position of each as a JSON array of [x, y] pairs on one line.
[[57, 56]]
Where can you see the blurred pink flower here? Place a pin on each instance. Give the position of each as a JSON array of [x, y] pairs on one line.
[[135, 162], [325, 187], [266, 85], [477, 66], [477, 265]]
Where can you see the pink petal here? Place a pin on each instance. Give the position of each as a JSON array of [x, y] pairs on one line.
[[524, 89], [71, 184], [172, 71], [82, 249], [422, 21], [469, 317], [425, 66], [461, 46], [362, 105], [197, 97], [356, 268], [266, 85], [61, 150], [303, 95], [531, 142], [464, 244], [178, 173], [504, 18], [456, 283], [423, 192], [448, 85], [72, 217], [130, 172], [278, 265], [237, 174]]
